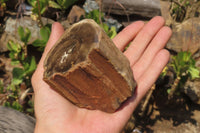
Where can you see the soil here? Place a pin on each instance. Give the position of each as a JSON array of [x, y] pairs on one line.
[[178, 115]]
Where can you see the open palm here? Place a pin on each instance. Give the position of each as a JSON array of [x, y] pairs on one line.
[[147, 58]]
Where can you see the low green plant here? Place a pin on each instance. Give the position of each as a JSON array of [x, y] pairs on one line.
[[41, 6], [179, 9], [164, 72], [61, 4], [12, 100], [21, 74], [98, 17], [18, 55], [44, 33], [183, 65]]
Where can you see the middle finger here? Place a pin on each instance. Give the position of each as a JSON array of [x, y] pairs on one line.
[[142, 40]]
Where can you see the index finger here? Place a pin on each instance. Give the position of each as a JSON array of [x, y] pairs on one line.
[[124, 37]]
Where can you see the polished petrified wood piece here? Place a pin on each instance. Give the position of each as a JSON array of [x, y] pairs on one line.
[[88, 69]]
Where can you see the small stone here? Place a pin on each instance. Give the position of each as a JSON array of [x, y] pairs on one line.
[[165, 12], [12, 25], [90, 5], [75, 14], [11, 30], [192, 90], [185, 36]]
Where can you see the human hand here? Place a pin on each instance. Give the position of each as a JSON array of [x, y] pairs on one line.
[[147, 58]]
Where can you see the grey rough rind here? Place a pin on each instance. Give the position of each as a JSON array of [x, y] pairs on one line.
[[12, 121]]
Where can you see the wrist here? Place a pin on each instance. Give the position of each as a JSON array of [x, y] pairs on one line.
[[45, 127]]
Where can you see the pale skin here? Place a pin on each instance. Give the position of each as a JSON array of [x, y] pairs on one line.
[[147, 56]]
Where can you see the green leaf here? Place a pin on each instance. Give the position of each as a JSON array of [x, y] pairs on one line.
[[22, 56], [27, 35], [54, 5], [18, 75], [168, 91], [43, 6], [17, 106], [95, 16], [43, 10], [30, 110], [41, 49], [32, 66], [31, 2], [45, 33], [105, 27], [44, 2], [112, 32], [194, 72], [31, 103], [6, 104], [192, 62], [21, 32], [186, 56], [67, 3], [39, 43], [26, 64], [9, 45], [14, 46], [183, 63], [14, 62], [60, 2], [35, 9], [12, 55]]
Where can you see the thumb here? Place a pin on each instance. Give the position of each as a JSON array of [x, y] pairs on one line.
[[56, 33]]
